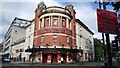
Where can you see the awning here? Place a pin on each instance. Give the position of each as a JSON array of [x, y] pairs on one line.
[[52, 49]]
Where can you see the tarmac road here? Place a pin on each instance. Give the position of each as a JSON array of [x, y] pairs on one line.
[[71, 65]]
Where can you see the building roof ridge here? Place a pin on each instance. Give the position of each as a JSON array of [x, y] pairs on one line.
[[86, 27]]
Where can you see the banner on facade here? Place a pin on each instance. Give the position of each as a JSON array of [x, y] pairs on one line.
[[107, 21]]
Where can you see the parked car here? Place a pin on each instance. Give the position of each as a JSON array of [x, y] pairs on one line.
[[6, 60]]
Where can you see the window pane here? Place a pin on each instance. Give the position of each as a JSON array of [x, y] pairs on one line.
[[63, 22], [54, 38], [21, 50], [47, 22], [42, 39], [67, 39], [55, 21]]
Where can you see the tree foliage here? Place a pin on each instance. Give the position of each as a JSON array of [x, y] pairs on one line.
[[116, 6], [98, 46], [118, 54]]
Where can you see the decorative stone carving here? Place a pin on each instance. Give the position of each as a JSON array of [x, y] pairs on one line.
[[41, 6], [69, 7]]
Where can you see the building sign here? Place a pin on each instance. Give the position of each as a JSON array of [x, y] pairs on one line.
[[107, 21]]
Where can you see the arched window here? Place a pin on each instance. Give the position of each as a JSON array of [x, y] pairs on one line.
[[54, 38], [42, 38], [63, 22], [67, 39], [47, 22], [55, 20]]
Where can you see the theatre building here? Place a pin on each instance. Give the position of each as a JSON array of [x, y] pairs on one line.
[[54, 35]]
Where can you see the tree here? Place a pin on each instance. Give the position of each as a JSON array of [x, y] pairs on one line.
[[116, 6], [98, 47], [118, 56]]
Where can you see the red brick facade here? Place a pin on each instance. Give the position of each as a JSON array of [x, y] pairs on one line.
[[54, 30]]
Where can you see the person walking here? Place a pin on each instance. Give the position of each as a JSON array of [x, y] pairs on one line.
[[24, 59], [62, 60]]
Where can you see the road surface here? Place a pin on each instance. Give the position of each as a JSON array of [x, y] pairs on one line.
[[72, 65]]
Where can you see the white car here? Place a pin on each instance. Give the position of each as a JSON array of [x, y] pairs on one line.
[[6, 60]]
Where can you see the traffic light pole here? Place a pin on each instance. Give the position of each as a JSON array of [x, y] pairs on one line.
[[109, 56]]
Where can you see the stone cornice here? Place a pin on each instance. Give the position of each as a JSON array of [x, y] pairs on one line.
[[81, 23], [56, 11]]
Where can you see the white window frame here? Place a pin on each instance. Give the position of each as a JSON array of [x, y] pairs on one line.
[[67, 39], [55, 38], [54, 21], [63, 24], [47, 22]]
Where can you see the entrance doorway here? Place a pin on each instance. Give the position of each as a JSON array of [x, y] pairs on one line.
[[44, 58], [64, 58], [54, 58]]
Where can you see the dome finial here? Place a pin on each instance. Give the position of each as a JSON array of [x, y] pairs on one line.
[[69, 7], [41, 6]]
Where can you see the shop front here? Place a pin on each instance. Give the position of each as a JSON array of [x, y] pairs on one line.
[[58, 55], [54, 57]]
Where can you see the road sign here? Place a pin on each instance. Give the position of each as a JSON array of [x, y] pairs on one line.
[[107, 21]]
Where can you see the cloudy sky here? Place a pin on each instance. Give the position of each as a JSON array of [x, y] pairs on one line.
[[85, 11]]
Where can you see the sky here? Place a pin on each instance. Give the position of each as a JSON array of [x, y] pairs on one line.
[[85, 11]]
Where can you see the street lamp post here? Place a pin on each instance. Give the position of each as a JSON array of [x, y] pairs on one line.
[[104, 46], [108, 43]]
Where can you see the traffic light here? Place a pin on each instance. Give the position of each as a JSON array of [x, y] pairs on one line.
[[116, 6]]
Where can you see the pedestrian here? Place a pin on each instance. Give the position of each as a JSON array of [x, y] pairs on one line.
[[24, 59], [62, 60], [20, 59], [17, 58], [14, 59], [32, 60]]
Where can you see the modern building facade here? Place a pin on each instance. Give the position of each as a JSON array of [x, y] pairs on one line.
[[18, 50], [14, 39]]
